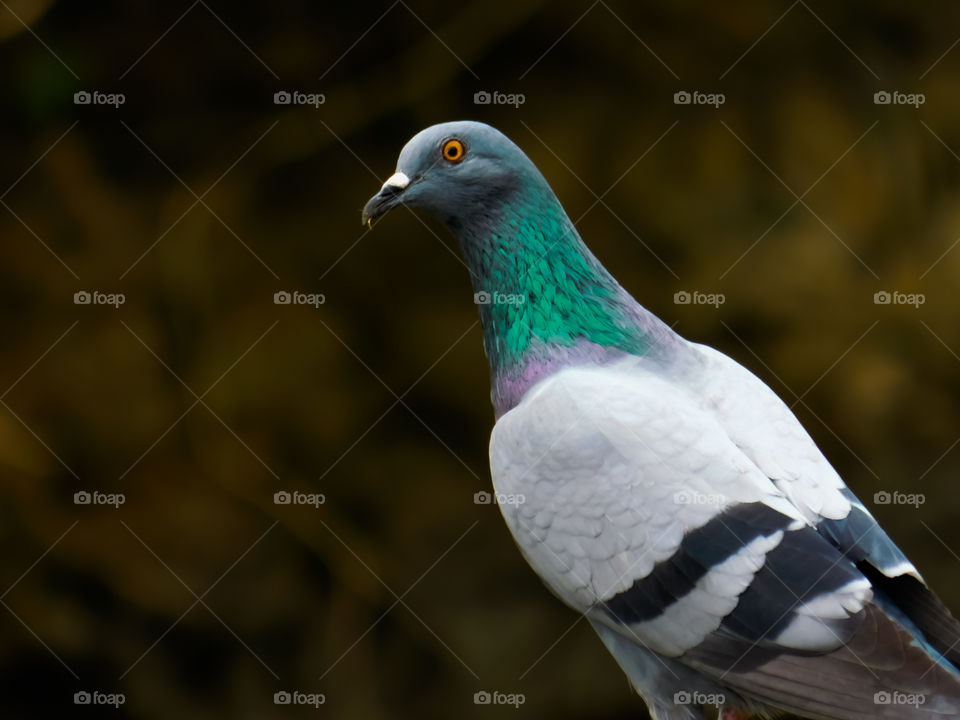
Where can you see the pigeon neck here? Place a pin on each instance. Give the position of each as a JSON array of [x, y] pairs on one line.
[[545, 301]]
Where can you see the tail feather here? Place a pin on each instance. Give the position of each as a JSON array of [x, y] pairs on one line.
[[880, 673], [924, 609]]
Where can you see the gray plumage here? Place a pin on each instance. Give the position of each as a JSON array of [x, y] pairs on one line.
[[669, 495]]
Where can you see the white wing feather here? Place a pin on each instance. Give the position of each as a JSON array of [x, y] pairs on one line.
[[614, 466]]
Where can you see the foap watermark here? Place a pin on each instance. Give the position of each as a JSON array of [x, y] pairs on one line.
[[694, 497], [484, 97], [96, 697], [685, 97], [85, 297], [283, 497], [695, 697], [296, 97], [282, 297], [886, 97], [895, 297], [896, 697], [296, 697], [487, 498], [899, 498], [85, 497], [483, 697], [95, 97], [695, 297], [485, 297]]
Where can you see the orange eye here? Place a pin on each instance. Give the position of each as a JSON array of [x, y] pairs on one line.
[[453, 151]]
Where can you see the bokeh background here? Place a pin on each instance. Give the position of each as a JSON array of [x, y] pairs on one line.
[[199, 398]]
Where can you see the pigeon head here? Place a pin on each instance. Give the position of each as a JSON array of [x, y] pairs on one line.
[[457, 172], [545, 301]]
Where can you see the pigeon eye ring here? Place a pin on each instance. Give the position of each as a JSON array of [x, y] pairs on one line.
[[453, 151]]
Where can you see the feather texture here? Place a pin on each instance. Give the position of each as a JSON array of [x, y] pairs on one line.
[[669, 494]]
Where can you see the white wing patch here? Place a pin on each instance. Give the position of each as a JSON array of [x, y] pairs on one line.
[[686, 622], [759, 423], [811, 629], [770, 435], [615, 468]]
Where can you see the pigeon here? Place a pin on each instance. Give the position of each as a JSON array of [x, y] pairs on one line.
[[667, 493]]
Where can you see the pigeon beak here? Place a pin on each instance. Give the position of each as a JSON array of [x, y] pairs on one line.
[[385, 200]]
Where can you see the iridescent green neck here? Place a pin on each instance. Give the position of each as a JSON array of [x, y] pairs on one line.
[[544, 299]]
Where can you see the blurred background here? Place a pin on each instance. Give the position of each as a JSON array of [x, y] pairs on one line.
[[148, 161]]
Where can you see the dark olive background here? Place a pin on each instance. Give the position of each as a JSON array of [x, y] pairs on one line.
[[379, 399]]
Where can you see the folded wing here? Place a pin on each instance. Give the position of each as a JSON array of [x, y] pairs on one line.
[[646, 507]]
